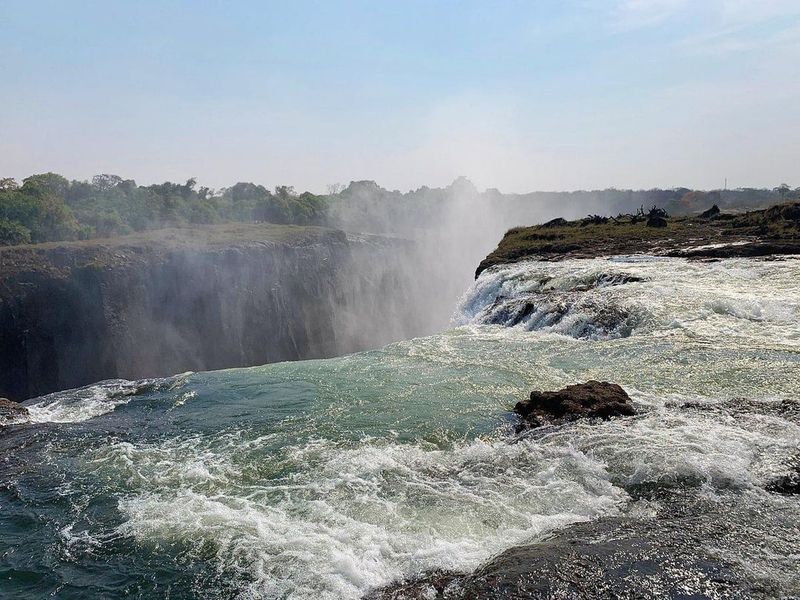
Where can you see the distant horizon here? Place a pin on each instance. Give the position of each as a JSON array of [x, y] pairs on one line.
[[633, 94], [301, 189]]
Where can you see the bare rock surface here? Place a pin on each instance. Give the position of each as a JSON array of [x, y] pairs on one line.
[[593, 399]]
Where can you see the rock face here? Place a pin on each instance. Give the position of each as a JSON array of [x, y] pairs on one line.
[[593, 399], [11, 410], [75, 313]]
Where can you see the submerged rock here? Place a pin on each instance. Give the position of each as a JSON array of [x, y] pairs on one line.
[[584, 400], [11, 410]]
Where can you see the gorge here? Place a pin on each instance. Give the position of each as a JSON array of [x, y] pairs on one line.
[[73, 313]]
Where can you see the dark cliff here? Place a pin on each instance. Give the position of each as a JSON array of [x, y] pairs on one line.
[[196, 299]]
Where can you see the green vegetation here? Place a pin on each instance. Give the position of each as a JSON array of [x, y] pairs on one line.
[[48, 207]]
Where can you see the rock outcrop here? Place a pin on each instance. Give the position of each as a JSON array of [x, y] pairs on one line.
[[170, 301], [711, 213], [712, 234], [11, 411], [593, 399]]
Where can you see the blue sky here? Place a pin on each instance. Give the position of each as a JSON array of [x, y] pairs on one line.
[[516, 95]]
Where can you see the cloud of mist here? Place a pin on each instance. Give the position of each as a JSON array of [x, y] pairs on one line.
[[453, 229]]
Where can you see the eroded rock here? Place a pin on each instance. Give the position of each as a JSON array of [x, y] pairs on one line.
[[593, 399]]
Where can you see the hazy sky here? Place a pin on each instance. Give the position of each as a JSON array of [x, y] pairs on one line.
[[515, 95]]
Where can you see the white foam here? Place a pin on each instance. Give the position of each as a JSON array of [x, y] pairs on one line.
[[362, 516], [96, 401], [578, 298], [82, 404]]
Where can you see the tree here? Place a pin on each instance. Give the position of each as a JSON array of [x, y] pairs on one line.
[[48, 183], [106, 182], [783, 191], [13, 233]]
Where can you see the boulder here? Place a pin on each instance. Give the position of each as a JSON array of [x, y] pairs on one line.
[[710, 213], [593, 399], [10, 410]]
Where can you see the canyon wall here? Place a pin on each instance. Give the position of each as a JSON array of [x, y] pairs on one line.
[[197, 299]]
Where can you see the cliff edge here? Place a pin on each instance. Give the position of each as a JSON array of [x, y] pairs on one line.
[[712, 234], [174, 300]]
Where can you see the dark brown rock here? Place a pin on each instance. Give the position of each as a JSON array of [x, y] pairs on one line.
[[557, 222], [11, 410], [593, 399], [656, 222], [788, 484]]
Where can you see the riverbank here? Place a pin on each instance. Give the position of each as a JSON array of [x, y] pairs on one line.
[[775, 230]]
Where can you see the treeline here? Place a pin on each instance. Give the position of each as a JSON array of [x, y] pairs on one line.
[[48, 207]]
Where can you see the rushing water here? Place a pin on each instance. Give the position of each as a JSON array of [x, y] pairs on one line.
[[326, 478]]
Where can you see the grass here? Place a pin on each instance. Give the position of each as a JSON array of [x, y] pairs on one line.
[[585, 239], [57, 258]]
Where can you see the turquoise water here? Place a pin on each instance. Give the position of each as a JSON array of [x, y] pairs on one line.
[[326, 478]]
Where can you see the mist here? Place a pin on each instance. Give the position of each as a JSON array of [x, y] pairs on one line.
[[455, 227]]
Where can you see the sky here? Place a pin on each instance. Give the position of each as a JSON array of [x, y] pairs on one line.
[[520, 96]]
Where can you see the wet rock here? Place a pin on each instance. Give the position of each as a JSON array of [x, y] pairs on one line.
[[73, 313], [786, 408], [609, 279], [10, 410], [509, 312], [593, 399], [788, 484], [689, 549]]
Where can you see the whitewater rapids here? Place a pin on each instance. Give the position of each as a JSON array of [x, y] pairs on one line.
[[328, 478]]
